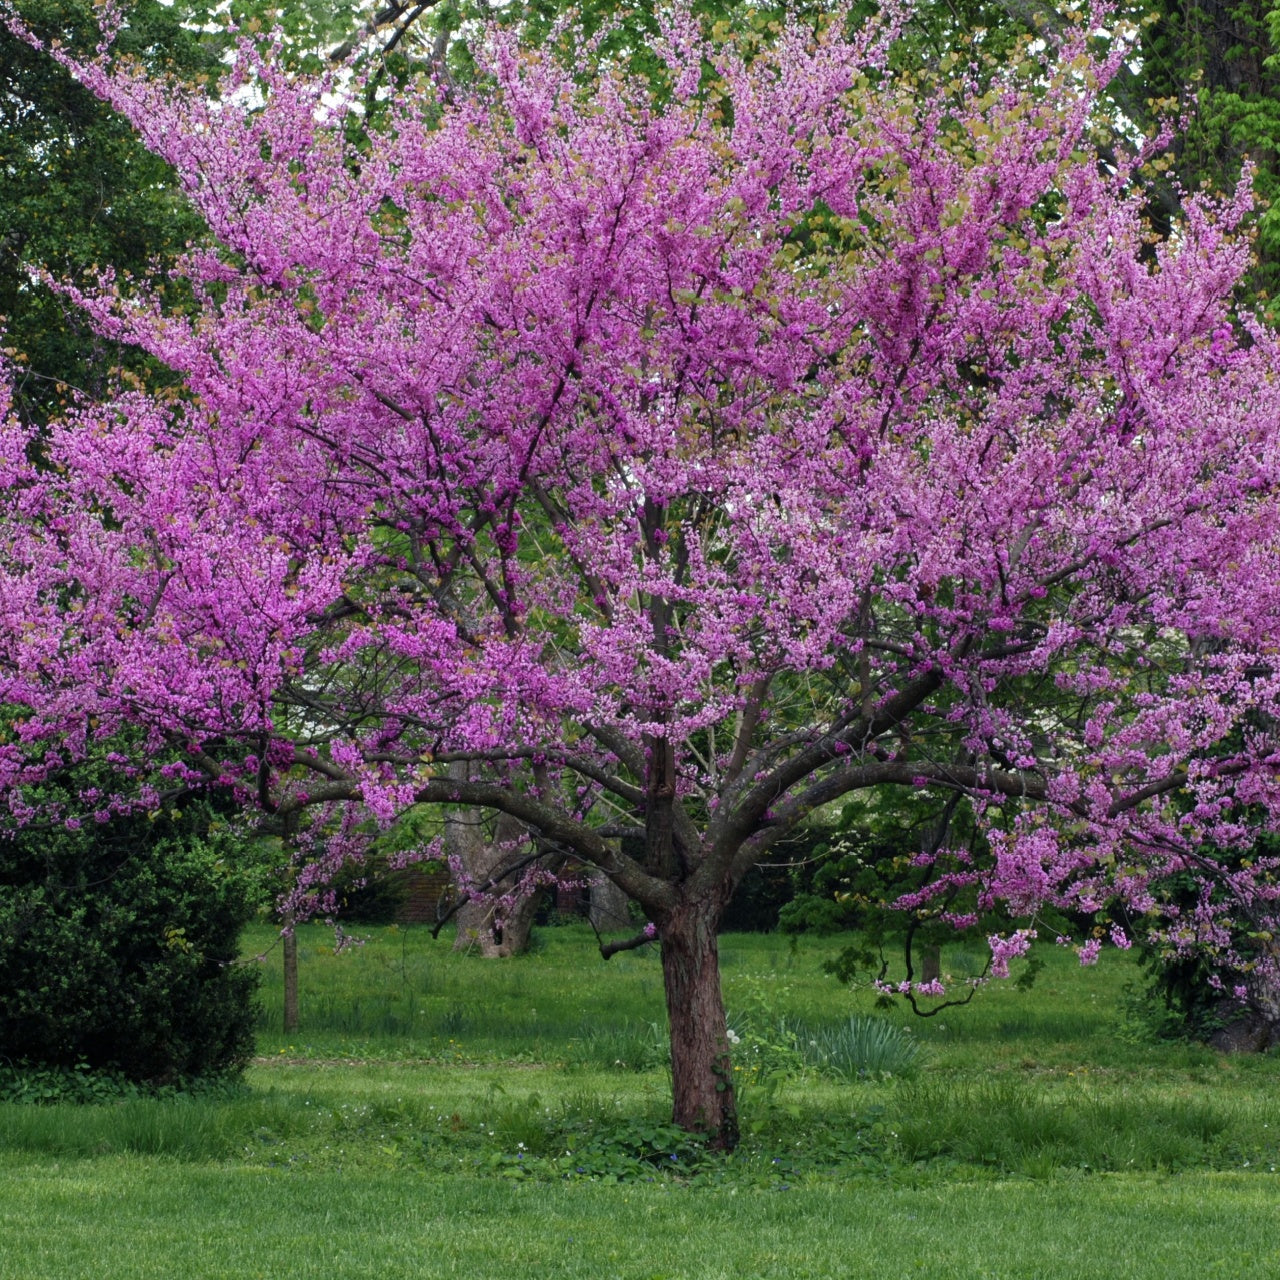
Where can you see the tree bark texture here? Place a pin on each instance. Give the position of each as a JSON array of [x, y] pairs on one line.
[[480, 930], [1257, 1028], [488, 924], [610, 907], [701, 1071]]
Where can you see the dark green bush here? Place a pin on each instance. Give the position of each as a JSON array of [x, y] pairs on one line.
[[118, 947]]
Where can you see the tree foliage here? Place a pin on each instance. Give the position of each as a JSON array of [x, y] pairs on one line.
[[882, 863], [78, 191], [1214, 63]]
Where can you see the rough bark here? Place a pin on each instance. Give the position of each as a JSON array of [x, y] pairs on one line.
[[1248, 1033], [610, 907], [480, 929], [1257, 1028], [495, 924], [701, 1071]]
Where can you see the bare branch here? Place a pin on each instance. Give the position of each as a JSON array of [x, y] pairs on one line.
[[401, 14], [609, 949]]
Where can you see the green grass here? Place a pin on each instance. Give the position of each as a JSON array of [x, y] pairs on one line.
[[126, 1218], [439, 1114], [403, 994]]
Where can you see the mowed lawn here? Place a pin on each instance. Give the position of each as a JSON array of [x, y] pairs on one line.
[[134, 1217], [441, 1115]]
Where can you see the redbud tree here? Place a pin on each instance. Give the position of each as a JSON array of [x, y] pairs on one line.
[[656, 460]]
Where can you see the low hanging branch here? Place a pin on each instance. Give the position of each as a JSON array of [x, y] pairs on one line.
[[642, 939]]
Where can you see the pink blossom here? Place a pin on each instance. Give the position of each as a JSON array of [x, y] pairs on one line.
[[1004, 949]]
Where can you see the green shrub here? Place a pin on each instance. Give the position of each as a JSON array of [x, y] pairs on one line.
[[118, 948]]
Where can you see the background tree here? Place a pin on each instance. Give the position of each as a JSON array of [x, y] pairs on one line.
[[1210, 64], [1214, 62], [497, 871], [678, 464], [886, 876], [78, 189]]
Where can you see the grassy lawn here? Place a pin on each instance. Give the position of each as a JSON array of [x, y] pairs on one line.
[[443, 1115], [131, 1217]]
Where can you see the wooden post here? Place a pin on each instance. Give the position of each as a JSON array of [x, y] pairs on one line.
[[290, 978]]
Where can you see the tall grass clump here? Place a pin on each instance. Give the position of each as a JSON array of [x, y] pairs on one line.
[[179, 1127], [627, 1046], [862, 1048]]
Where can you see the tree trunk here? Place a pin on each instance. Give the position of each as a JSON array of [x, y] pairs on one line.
[[1256, 1028], [480, 928], [931, 963], [499, 922], [701, 1072], [290, 952], [610, 908]]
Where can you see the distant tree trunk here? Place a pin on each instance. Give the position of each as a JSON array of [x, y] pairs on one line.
[[290, 951], [499, 923], [701, 1071], [610, 908], [931, 963], [1256, 1028], [482, 927]]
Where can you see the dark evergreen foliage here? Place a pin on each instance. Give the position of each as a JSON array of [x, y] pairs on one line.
[[118, 947], [78, 192]]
